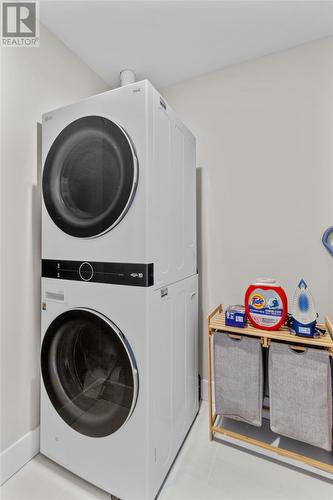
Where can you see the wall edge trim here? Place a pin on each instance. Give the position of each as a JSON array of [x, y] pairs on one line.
[[13, 458]]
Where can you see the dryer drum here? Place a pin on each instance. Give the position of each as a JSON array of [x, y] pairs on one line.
[[89, 372], [90, 177]]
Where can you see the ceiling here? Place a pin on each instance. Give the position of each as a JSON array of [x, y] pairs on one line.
[[171, 41]]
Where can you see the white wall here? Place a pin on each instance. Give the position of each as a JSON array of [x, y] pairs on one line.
[[265, 149], [34, 80]]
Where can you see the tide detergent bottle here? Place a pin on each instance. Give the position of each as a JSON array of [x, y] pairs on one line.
[[266, 304]]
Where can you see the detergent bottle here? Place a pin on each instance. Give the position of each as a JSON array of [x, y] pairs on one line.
[[266, 304]]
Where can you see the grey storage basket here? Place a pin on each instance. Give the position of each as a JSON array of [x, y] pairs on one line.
[[238, 378], [300, 389]]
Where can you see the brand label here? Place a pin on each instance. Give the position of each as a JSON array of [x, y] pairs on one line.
[[257, 301], [304, 329], [265, 307]]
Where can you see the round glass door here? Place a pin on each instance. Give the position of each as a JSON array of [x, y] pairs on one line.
[[89, 372], [90, 177]]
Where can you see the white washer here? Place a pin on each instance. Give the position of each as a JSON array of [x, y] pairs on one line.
[[119, 380], [119, 183]]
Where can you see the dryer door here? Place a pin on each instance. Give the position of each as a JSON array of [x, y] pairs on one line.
[[89, 372], [90, 177]]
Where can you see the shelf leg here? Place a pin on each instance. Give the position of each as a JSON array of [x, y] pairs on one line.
[[210, 398]]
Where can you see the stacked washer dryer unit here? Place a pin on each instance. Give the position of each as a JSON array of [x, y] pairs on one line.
[[119, 289]]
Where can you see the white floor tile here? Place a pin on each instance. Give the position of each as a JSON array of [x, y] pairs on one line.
[[42, 479], [203, 471]]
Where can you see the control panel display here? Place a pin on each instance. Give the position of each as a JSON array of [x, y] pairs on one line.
[[99, 272]]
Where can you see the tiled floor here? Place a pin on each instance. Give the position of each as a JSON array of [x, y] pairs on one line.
[[202, 471]]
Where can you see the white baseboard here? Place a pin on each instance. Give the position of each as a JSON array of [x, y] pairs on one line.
[[204, 389], [18, 454]]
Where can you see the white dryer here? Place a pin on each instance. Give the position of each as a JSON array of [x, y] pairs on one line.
[[119, 183], [119, 385]]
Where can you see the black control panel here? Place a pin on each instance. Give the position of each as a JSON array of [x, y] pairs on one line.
[[114, 273]]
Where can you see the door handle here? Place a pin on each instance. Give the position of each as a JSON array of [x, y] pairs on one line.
[[328, 240]]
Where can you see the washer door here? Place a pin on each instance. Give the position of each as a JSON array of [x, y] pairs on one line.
[[89, 372], [90, 177]]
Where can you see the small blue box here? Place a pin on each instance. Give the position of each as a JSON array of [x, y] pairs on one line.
[[235, 316]]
